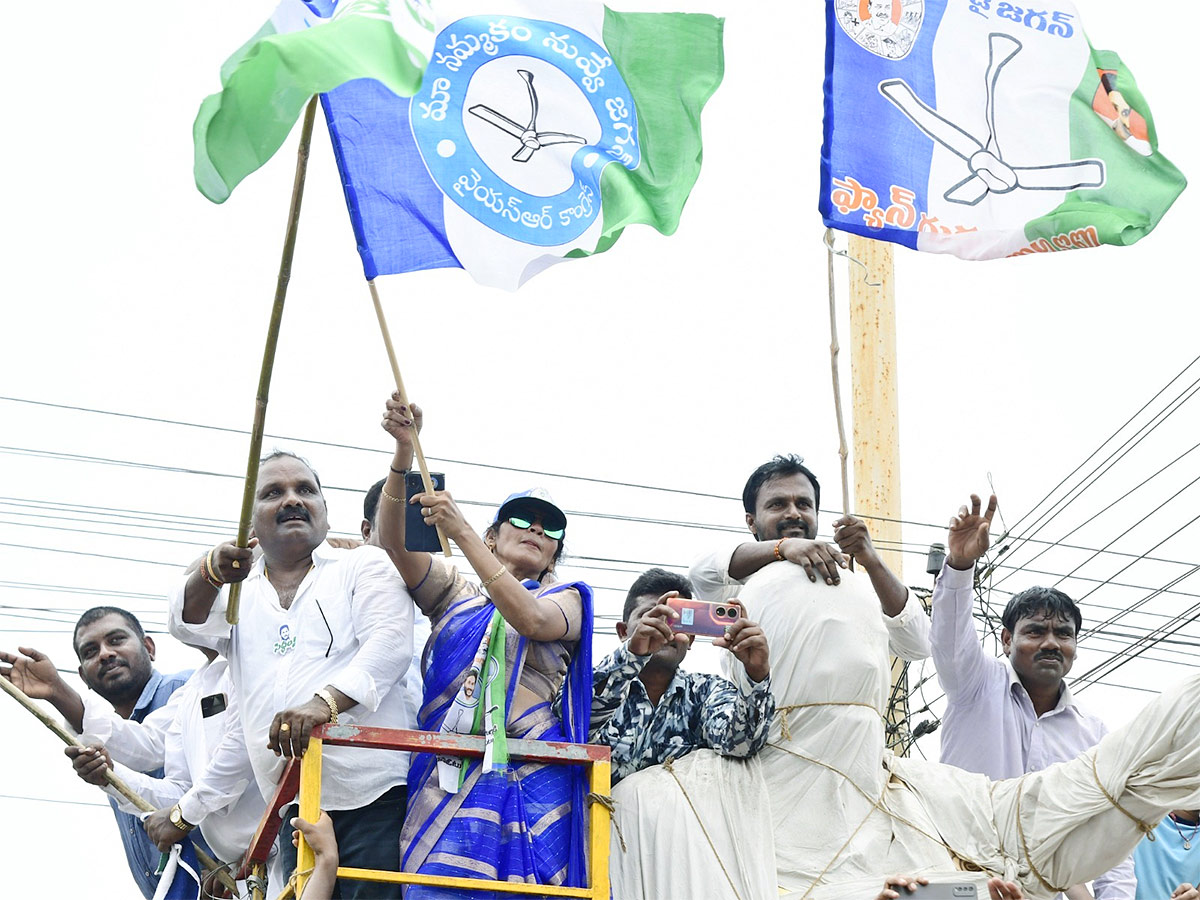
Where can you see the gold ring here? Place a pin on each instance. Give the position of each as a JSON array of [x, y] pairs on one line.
[[236, 564], [285, 727]]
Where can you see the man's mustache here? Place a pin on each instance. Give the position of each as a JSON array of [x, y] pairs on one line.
[[794, 523], [292, 512], [1050, 654]]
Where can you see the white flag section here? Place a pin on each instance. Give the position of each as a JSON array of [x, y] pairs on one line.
[[984, 129]]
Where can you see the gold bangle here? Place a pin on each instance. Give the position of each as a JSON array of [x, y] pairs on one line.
[[389, 496], [333, 709], [488, 583], [209, 571], [778, 555]]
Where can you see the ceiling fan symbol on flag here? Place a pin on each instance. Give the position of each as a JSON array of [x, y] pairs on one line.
[[988, 172], [531, 139]]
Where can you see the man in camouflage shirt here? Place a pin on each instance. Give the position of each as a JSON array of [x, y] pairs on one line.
[[648, 710]]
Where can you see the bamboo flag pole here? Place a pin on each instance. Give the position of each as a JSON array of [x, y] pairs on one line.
[[112, 777], [268, 363], [391, 352], [877, 428], [834, 351]]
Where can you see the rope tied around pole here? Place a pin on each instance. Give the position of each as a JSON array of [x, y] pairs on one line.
[[784, 711], [611, 805]]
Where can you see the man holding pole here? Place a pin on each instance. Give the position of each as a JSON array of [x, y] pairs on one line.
[[116, 661], [324, 635]]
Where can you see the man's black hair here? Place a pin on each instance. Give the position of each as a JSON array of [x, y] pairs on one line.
[[780, 467], [99, 612], [654, 583], [279, 454], [371, 501], [1053, 602]]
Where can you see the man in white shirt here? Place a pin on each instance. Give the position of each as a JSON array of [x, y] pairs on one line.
[[324, 635], [1008, 717]]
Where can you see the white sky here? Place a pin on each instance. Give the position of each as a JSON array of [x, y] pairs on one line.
[[677, 362]]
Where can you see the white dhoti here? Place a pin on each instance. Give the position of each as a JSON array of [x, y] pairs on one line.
[[670, 855], [846, 813]]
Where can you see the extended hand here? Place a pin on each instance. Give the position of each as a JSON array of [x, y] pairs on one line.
[[90, 762], [897, 883], [653, 631], [162, 831], [398, 420], [745, 640], [817, 558], [291, 728], [968, 537], [852, 535], [32, 672], [1185, 892], [999, 889], [319, 836]]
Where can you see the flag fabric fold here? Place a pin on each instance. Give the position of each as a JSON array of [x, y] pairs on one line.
[[302, 50], [541, 130], [984, 129]]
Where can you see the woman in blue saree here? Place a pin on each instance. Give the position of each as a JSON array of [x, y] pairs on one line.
[[506, 637]]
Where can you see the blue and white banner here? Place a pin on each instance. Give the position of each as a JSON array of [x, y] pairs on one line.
[[984, 129]]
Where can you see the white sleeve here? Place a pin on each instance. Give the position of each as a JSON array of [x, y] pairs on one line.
[[382, 613], [158, 792], [710, 576], [908, 631], [214, 632], [228, 774], [140, 746]]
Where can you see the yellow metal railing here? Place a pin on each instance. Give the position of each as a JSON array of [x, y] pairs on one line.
[[596, 758]]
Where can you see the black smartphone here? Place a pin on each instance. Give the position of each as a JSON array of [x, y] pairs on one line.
[[419, 537], [212, 705]]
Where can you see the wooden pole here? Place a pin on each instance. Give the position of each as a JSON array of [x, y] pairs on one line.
[[877, 425], [112, 777], [268, 363], [391, 352], [834, 352]]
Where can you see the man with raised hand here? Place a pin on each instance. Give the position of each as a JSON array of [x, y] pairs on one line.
[[325, 635], [1006, 717], [116, 661]]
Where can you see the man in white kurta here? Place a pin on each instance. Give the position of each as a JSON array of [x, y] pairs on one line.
[[847, 813]]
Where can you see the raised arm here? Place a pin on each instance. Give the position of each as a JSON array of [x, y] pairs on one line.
[[35, 674], [224, 564], [957, 653], [399, 421]]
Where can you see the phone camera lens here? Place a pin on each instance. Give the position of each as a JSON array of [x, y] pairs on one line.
[[733, 612], [720, 611]]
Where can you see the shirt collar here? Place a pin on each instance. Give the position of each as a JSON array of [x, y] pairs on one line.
[[322, 553], [1066, 700], [147, 695]]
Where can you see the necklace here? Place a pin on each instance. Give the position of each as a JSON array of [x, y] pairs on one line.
[[1186, 838]]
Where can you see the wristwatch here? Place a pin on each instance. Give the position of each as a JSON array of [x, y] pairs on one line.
[[179, 821]]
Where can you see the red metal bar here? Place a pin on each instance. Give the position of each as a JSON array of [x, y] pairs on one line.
[[458, 744], [271, 823]]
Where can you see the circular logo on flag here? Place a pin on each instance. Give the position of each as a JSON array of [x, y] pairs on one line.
[[517, 119], [886, 28]]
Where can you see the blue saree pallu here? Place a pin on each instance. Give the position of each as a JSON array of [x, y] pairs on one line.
[[521, 821]]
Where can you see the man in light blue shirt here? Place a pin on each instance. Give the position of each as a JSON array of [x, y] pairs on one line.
[[1008, 717]]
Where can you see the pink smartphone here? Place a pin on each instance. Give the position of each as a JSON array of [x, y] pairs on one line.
[[703, 616]]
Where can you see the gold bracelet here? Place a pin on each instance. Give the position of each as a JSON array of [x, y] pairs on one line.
[[778, 555], [489, 582], [208, 571], [389, 496], [333, 709]]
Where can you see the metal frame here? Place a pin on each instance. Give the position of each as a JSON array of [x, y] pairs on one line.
[[307, 774]]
